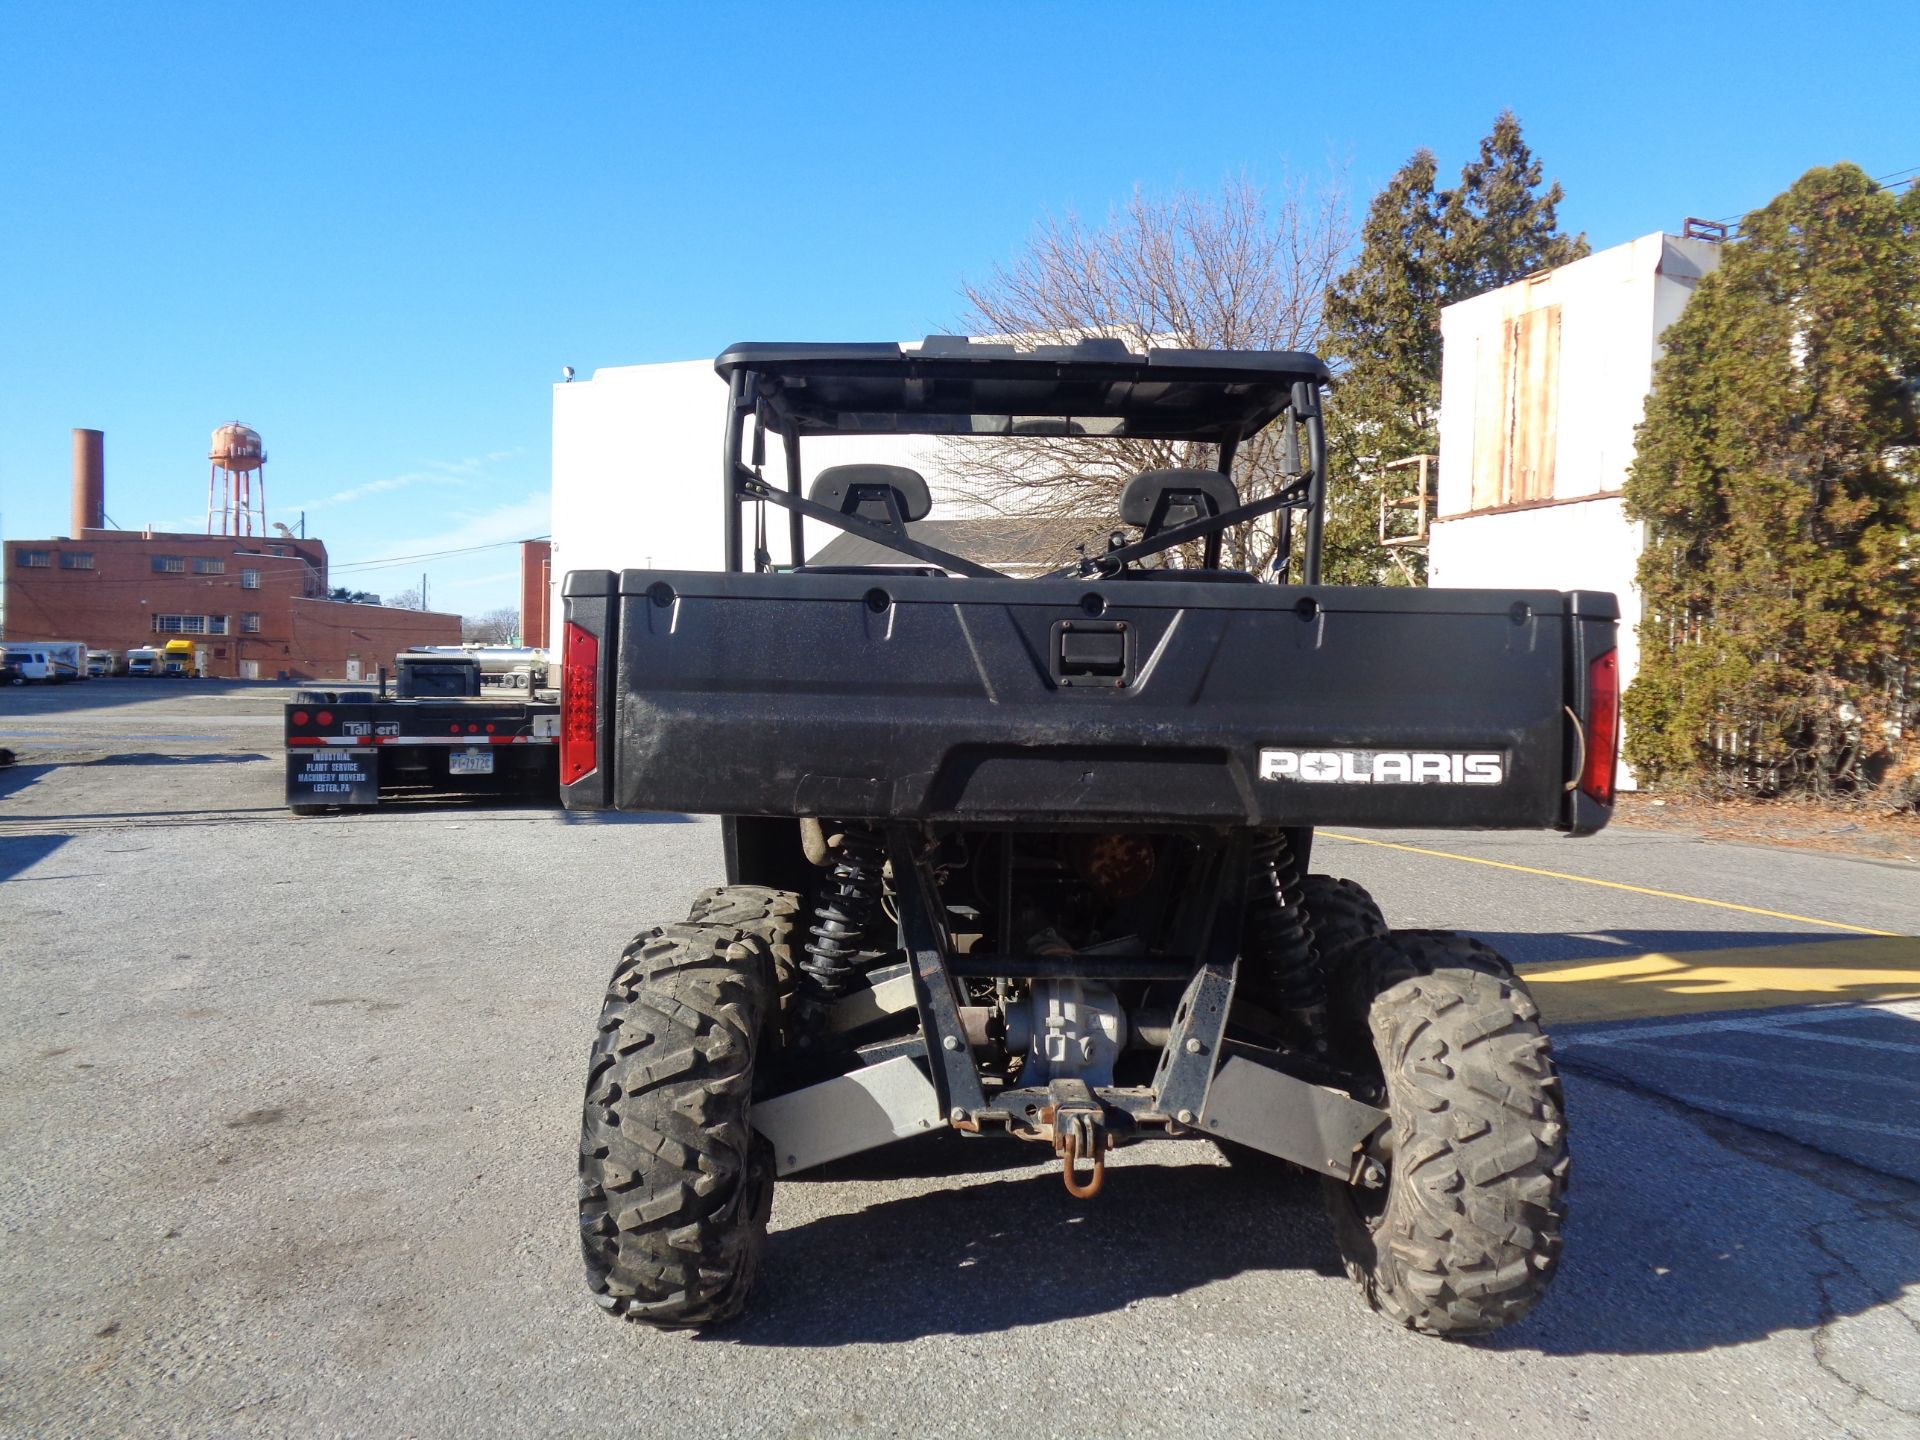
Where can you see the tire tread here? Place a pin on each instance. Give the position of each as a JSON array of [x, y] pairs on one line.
[[675, 1188], [1470, 1235]]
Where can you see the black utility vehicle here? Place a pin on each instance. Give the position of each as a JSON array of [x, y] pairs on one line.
[[1029, 857]]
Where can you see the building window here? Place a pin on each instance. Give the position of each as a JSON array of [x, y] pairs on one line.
[[203, 566], [250, 623], [169, 564], [249, 579], [33, 559], [76, 559], [277, 549], [179, 624], [216, 624]]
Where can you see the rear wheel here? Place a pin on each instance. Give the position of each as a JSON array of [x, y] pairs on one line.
[[1339, 913], [675, 1187], [1465, 1234], [767, 913]]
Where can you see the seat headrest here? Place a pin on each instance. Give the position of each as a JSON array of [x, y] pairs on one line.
[[1189, 494], [859, 490]]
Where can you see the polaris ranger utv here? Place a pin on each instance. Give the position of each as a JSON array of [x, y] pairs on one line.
[[1028, 858]]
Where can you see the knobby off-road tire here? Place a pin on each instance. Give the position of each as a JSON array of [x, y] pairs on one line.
[[769, 914], [772, 915], [675, 1187], [1339, 913], [1341, 916], [1466, 1235]]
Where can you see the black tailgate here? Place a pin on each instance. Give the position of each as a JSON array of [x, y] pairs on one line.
[[1069, 702]]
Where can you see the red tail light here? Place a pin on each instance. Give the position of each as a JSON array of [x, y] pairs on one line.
[[1603, 727], [579, 704]]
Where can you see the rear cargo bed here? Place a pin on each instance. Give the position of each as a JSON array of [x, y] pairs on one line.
[[1070, 702]]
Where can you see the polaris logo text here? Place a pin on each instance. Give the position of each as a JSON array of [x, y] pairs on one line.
[[1383, 767]]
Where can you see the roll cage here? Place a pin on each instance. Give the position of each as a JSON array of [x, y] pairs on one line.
[[951, 385]]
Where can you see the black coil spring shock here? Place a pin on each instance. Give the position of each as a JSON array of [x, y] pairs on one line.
[[842, 910], [1277, 937]]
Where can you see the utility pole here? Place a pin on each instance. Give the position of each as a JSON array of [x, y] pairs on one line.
[[423, 590]]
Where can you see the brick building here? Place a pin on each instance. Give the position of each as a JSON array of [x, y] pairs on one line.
[[255, 608], [536, 590]]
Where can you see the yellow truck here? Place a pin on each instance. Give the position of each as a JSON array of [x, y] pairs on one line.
[[177, 659]]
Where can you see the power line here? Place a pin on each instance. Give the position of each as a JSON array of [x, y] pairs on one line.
[[1892, 180], [332, 566]]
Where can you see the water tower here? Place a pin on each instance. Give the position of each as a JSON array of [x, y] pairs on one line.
[[236, 489]]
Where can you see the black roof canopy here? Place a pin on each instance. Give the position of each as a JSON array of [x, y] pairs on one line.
[[954, 386]]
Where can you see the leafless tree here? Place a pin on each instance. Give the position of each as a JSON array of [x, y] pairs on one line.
[[493, 627], [1246, 268], [406, 600]]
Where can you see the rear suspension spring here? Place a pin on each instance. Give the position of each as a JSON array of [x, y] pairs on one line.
[[1278, 942], [842, 910]]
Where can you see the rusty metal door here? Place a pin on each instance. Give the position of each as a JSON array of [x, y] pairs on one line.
[[1517, 410]]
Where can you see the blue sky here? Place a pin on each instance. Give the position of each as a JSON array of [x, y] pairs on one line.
[[376, 233]]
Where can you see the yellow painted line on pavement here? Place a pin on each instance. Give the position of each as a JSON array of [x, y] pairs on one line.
[[1609, 884], [1753, 978]]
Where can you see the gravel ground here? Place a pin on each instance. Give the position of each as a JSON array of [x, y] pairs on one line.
[[287, 1113]]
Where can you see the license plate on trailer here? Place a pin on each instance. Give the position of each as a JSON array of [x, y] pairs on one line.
[[470, 762]]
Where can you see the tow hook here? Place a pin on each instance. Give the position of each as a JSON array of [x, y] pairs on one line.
[[1079, 1133]]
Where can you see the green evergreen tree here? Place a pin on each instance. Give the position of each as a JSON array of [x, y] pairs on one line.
[[1777, 475], [1383, 322], [1421, 249], [1500, 226]]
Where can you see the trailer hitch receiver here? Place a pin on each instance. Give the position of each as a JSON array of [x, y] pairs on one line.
[[1080, 1132]]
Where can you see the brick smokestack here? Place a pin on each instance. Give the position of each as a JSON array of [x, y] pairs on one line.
[[89, 481]]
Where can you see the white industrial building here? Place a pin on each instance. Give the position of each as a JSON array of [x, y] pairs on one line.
[[637, 477], [1542, 385]]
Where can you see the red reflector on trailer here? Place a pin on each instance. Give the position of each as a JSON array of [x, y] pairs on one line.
[[1603, 727], [325, 717], [579, 704], [299, 717]]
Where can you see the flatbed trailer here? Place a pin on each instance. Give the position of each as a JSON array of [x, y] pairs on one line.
[[351, 748]]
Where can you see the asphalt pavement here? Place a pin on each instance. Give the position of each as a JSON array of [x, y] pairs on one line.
[[288, 1108]]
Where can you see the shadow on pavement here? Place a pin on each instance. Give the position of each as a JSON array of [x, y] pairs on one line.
[[984, 1258], [15, 778], [1689, 1231], [618, 817], [143, 757], [25, 701], [1538, 948], [1690, 1239], [19, 852]]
